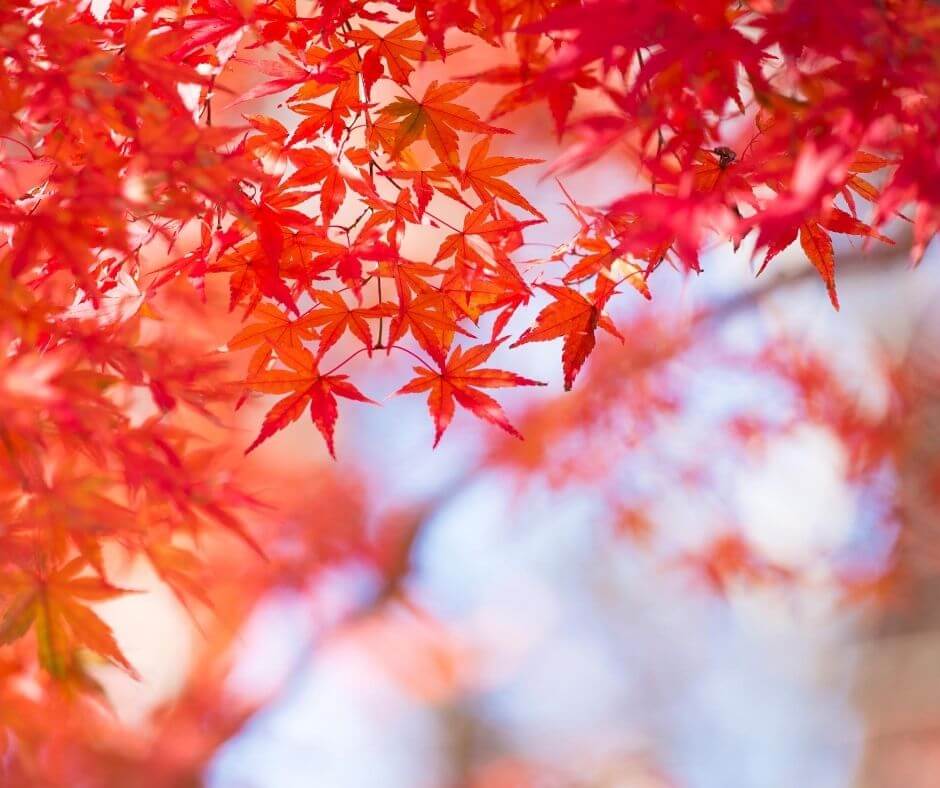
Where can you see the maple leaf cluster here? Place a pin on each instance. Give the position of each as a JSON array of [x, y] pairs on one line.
[[706, 98]]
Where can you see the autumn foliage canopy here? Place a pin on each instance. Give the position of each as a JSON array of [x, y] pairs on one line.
[[214, 204]]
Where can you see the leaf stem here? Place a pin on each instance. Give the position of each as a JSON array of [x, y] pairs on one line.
[[343, 362], [413, 355]]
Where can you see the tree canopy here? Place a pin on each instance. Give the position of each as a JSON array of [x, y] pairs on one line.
[[307, 207]]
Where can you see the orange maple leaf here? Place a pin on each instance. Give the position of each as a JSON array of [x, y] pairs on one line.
[[273, 330], [478, 222], [459, 380], [483, 174], [436, 118], [315, 165], [817, 246], [336, 317], [303, 384], [575, 318], [51, 603], [430, 318], [396, 48], [608, 260]]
